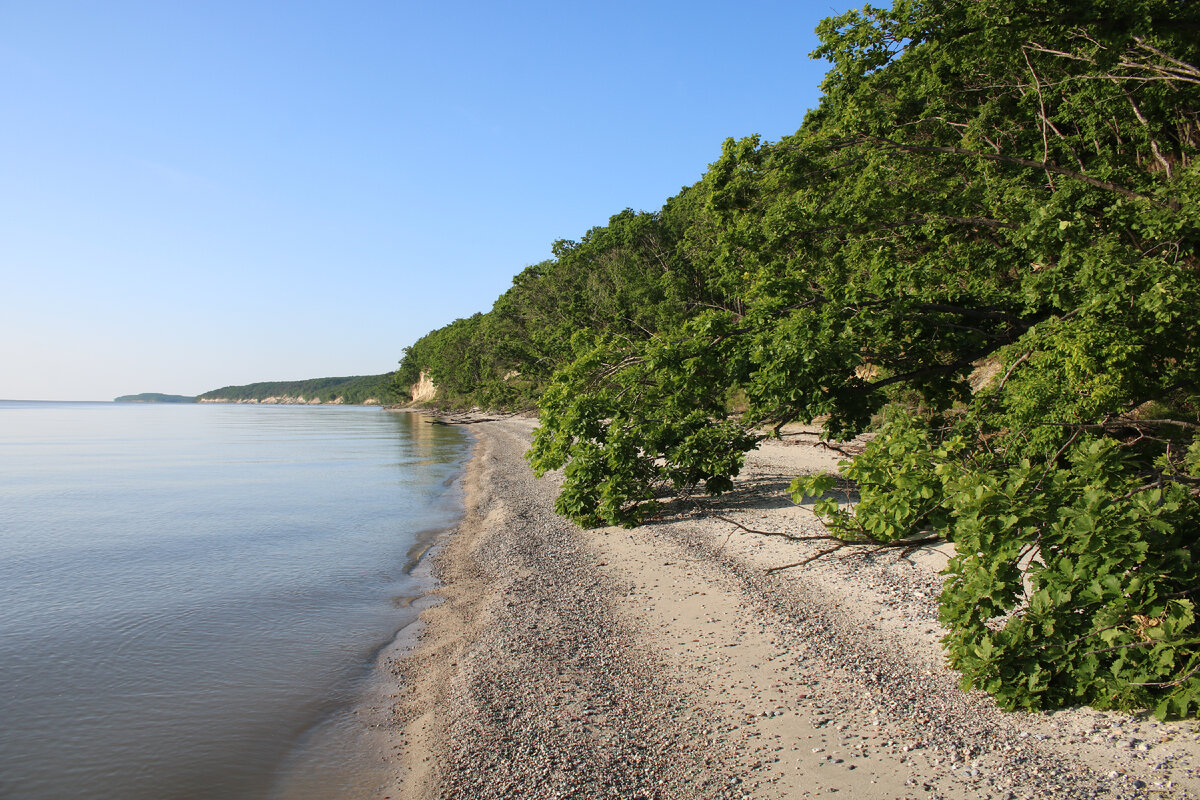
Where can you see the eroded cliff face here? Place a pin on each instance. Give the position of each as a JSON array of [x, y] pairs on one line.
[[423, 390]]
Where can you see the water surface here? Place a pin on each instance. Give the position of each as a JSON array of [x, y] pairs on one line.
[[191, 590]]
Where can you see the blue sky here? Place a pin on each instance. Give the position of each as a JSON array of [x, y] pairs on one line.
[[197, 194]]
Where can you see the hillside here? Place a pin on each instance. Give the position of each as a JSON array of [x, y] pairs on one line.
[[352, 390], [154, 397]]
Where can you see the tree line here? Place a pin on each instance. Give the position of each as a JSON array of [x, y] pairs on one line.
[[981, 246], [352, 390]]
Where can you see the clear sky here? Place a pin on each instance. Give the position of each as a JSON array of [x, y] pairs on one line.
[[198, 194]]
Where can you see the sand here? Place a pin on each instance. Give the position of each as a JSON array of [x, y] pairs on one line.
[[668, 661]]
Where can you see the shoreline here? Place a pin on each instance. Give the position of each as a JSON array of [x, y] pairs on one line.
[[349, 752], [667, 662]]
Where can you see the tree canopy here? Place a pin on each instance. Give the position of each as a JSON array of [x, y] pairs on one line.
[[982, 245]]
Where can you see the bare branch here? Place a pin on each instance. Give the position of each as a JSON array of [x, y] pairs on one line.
[[1015, 364], [1178, 422], [808, 560], [1044, 165], [1037, 85], [788, 536], [1182, 66], [1167, 684], [824, 443]]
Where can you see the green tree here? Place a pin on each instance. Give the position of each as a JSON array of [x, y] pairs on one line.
[[983, 243], [984, 185]]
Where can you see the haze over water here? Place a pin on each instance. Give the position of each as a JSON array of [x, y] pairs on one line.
[[189, 589]]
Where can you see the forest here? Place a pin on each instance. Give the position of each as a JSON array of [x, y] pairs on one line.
[[982, 249], [352, 390]]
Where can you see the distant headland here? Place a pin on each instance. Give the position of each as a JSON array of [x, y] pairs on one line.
[[154, 397], [352, 390]]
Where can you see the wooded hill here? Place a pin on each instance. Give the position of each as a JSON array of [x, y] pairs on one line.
[[154, 397], [352, 390], [983, 245]]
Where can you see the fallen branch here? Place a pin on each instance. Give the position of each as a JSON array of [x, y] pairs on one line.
[[808, 560], [789, 536], [908, 546], [835, 448]]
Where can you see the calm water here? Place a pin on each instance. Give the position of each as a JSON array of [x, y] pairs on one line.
[[189, 592]]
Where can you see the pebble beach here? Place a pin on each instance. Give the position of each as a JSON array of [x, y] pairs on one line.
[[676, 660]]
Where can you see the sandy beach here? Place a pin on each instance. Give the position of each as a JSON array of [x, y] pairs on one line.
[[669, 661]]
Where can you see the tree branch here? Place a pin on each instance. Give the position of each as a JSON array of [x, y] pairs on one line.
[[1025, 162]]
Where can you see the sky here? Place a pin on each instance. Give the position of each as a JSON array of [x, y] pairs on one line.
[[202, 194]]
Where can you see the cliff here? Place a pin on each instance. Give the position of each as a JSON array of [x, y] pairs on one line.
[[423, 390]]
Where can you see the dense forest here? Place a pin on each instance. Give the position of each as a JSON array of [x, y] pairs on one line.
[[352, 390], [982, 246]]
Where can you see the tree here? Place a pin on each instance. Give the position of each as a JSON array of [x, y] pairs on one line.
[[986, 186]]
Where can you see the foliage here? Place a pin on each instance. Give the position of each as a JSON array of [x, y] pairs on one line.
[[1072, 511], [626, 430], [1071, 578], [625, 278], [351, 390], [985, 236]]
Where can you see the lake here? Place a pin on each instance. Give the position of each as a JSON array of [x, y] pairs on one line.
[[193, 595]]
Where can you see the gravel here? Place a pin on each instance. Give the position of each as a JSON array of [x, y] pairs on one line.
[[667, 662], [553, 697]]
